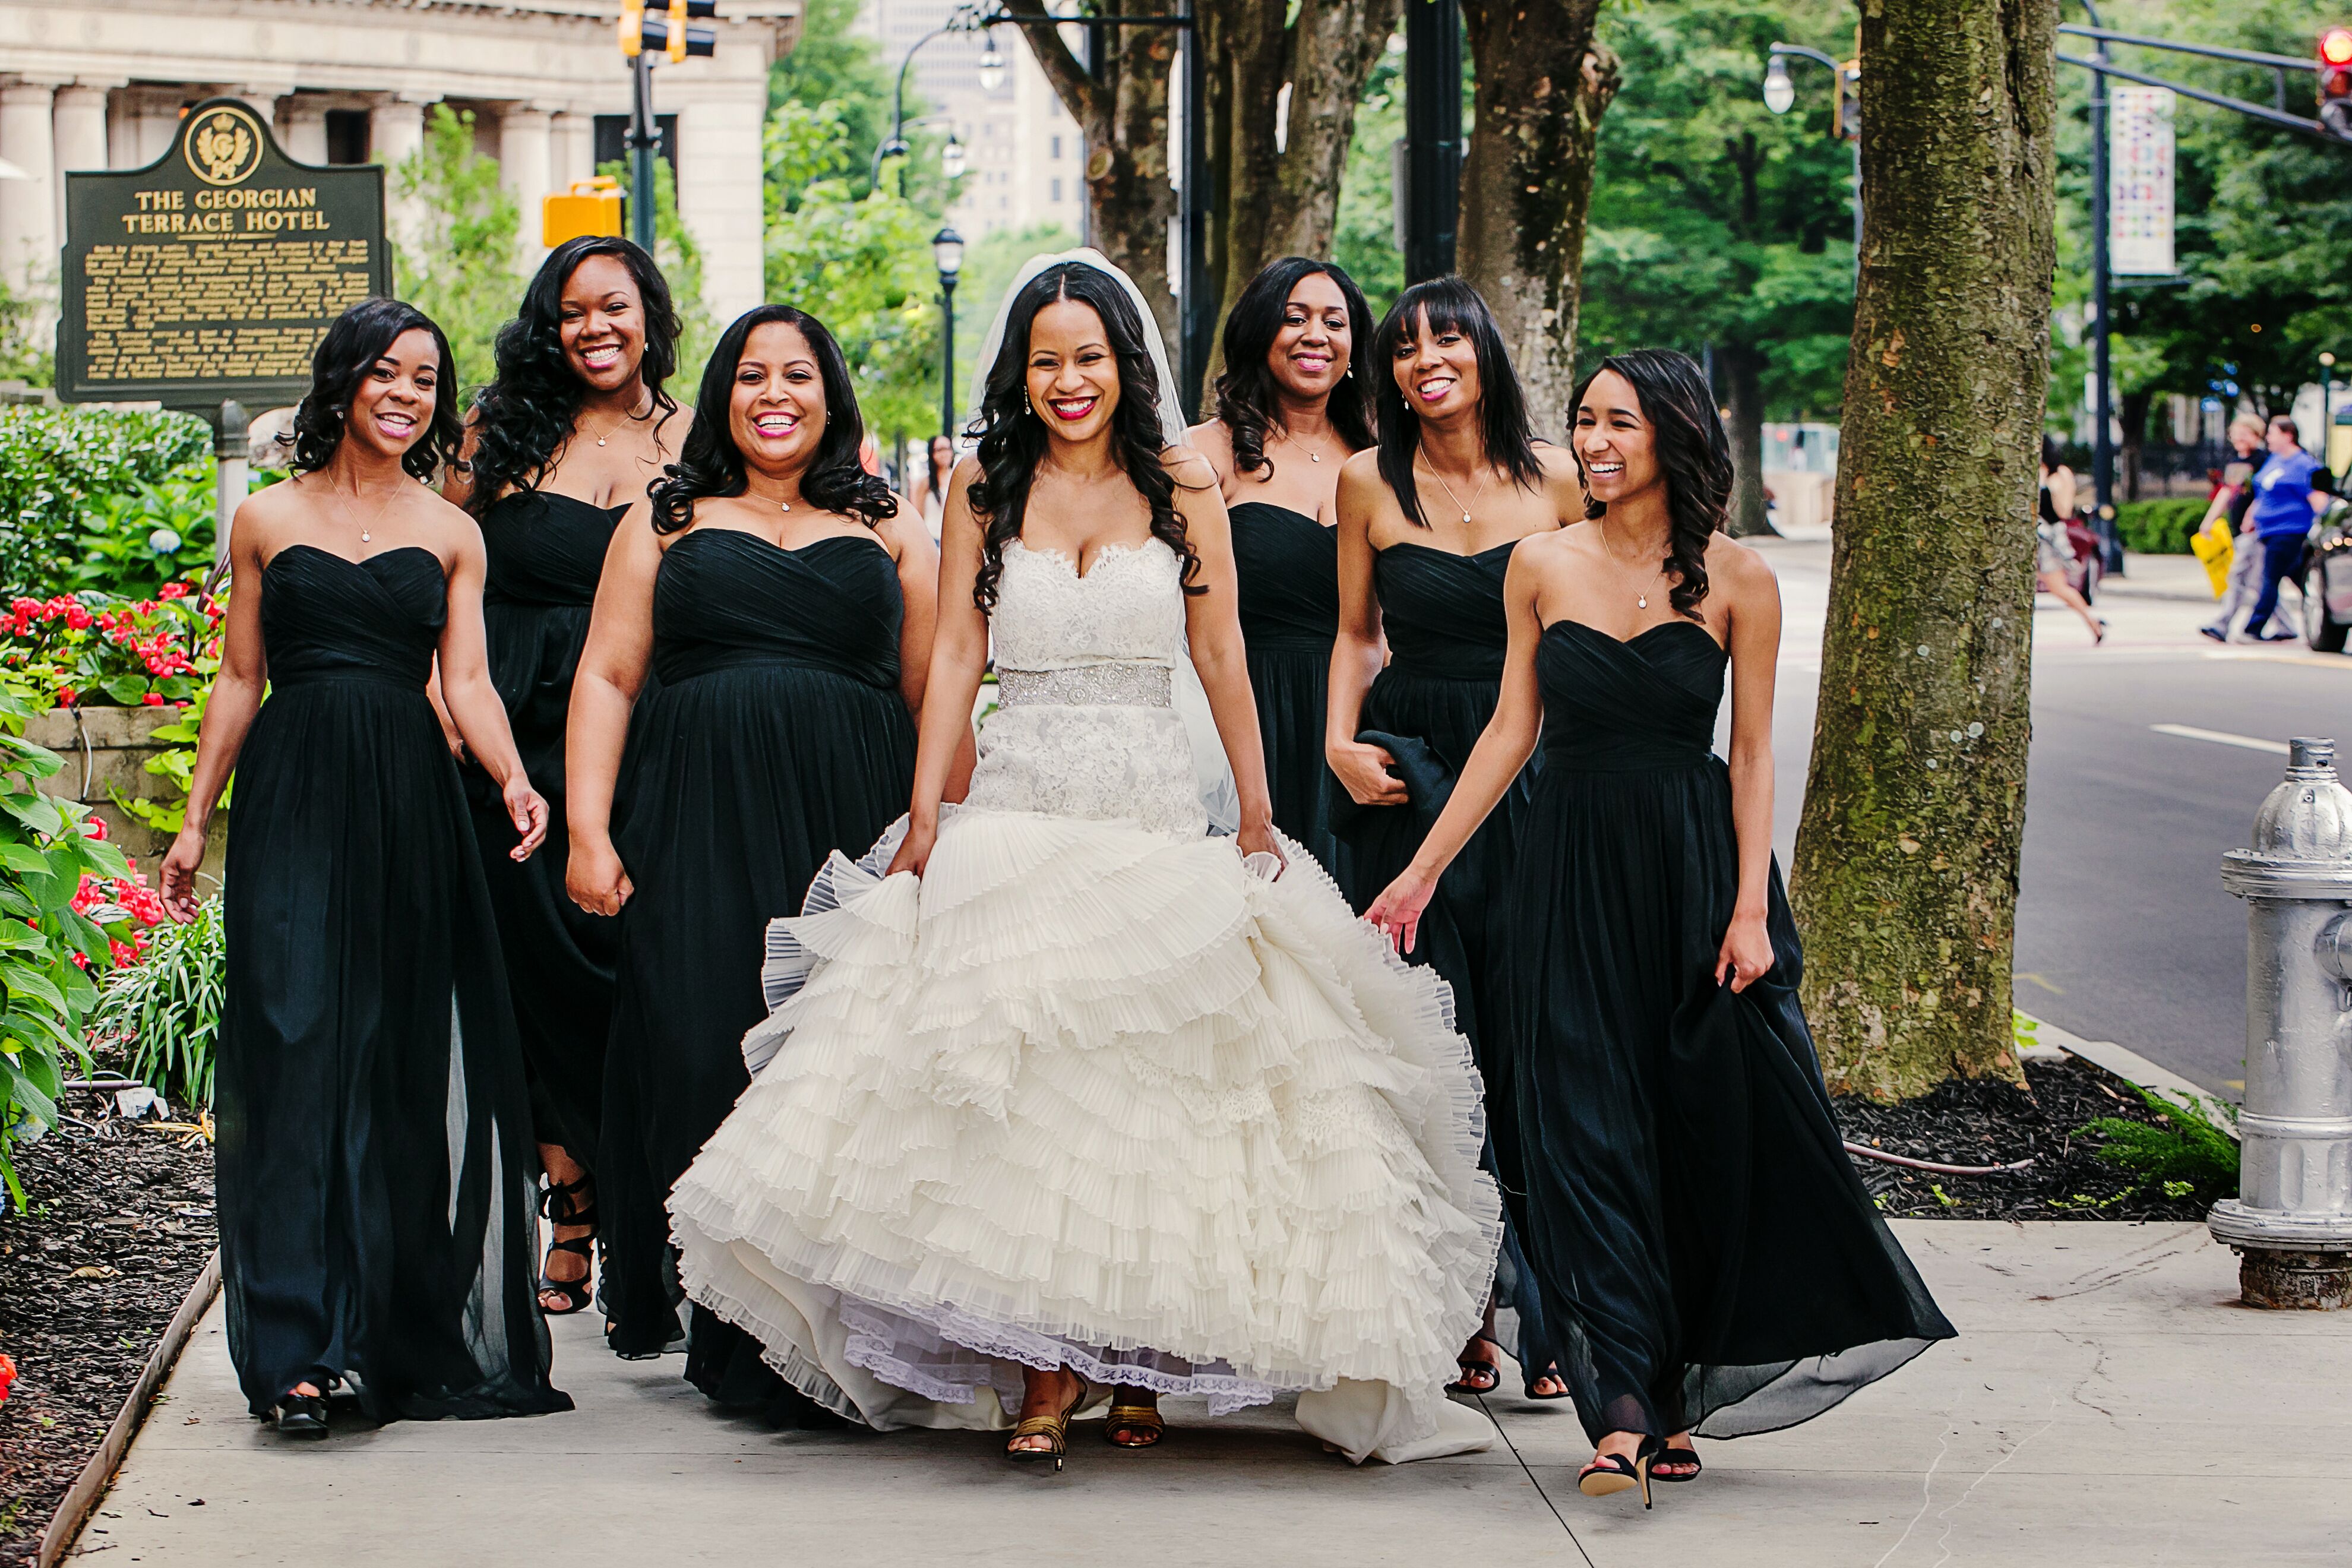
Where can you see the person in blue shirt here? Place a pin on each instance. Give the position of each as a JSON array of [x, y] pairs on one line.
[[2290, 489]]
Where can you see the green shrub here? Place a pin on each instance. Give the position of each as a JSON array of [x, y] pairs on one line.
[[163, 1013], [157, 530], [2159, 527], [45, 942], [2186, 1146], [59, 466]]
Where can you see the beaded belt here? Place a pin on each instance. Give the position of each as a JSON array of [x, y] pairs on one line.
[[1119, 685]]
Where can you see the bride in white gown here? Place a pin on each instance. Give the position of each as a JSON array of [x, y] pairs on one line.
[[1077, 1093]]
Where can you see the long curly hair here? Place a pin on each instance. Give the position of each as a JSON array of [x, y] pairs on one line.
[[523, 417], [1450, 305], [1694, 455], [360, 337], [1012, 439], [1247, 397], [710, 464]]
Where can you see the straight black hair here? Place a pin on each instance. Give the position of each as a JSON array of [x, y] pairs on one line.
[[1693, 456], [1449, 305], [710, 464], [1247, 398], [1013, 435], [526, 413], [360, 336]]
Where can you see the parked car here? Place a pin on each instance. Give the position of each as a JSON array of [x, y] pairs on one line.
[[2327, 580]]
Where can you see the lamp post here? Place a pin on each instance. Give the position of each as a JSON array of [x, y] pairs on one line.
[[1781, 96], [2327, 408], [947, 252]]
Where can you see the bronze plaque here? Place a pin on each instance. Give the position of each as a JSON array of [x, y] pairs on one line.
[[212, 273]]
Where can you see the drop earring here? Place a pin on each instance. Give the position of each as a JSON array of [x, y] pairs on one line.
[[1026, 406]]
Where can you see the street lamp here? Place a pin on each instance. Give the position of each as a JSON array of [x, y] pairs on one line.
[[1779, 93], [951, 158], [2327, 405], [947, 254], [992, 66], [1781, 96]]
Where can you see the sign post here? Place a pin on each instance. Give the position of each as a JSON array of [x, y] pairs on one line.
[[204, 280]]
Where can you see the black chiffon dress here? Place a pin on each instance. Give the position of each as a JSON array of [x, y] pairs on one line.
[[546, 553], [777, 735], [1705, 1255], [374, 1159], [1447, 632], [1288, 570]]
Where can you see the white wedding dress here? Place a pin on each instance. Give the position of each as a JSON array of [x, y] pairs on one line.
[[1094, 1092]]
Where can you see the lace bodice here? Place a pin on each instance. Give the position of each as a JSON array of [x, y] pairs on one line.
[[1085, 668]]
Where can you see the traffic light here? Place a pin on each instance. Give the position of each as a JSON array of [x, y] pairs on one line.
[[669, 31], [2336, 82]]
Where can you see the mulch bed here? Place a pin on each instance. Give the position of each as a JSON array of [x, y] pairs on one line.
[[1986, 1122], [117, 1224]]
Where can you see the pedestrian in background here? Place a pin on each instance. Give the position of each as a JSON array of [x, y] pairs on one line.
[[2052, 550], [2233, 501], [2290, 489]]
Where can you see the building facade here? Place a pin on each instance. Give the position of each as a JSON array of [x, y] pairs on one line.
[[100, 84]]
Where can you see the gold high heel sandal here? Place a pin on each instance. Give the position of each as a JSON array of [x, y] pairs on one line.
[[1055, 1428], [1141, 1423]]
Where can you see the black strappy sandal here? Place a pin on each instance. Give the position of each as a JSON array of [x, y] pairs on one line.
[[1492, 1371], [299, 1414], [1610, 1474], [1564, 1392], [576, 1293], [1670, 1455]]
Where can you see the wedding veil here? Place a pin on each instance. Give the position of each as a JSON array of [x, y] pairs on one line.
[[1210, 771]]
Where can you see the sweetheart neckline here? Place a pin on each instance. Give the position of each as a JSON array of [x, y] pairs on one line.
[[1317, 524], [612, 512], [1637, 637], [348, 560], [1451, 554], [1064, 558], [780, 549]]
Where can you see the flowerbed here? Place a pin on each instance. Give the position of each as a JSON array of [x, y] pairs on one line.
[[91, 647]]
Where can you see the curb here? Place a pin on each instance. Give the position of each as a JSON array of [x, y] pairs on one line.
[[2130, 1064], [74, 1508]]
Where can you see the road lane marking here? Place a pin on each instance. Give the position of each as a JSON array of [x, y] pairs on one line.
[[2222, 738]]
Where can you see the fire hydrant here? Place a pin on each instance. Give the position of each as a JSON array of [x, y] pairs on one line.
[[2292, 1221]]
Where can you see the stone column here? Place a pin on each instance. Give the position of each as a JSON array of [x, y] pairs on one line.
[[79, 124], [302, 127], [397, 133], [575, 147], [28, 216], [158, 121], [719, 190], [525, 158]]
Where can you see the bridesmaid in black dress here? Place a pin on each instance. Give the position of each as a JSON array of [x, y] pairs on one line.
[[561, 444], [782, 599], [1291, 410], [1706, 1258], [374, 1159], [1428, 523]]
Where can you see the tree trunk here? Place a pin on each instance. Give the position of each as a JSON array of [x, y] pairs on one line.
[[1122, 109], [1905, 870], [1543, 82], [1268, 204], [1743, 395]]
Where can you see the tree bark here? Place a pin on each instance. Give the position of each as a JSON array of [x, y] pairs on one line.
[[1905, 869], [1122, 109], [1743, 395], [1543, 82]]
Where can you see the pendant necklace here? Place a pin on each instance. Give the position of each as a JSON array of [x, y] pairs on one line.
[[1475, 494], [1641, 599], [626, 415], [367, 534]]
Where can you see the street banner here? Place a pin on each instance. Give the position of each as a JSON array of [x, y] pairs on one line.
[[2139, 181], [211, 273]]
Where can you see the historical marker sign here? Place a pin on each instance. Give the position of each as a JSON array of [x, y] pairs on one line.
[[212, 273]]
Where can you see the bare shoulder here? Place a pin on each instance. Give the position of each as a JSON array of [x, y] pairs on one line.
[[452, 526], [1360, 476], [967, 473], [1214, 441], [1740, 569], [898, 532], [1188, 468], [1560, 467]]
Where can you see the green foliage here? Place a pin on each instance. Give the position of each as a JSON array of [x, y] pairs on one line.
[[2159, 527], [120, 533], [835, 66], [2186, 1146], [176, 762], [862, 265], [459, 266], [60, 467], [43, 993], [1714, 220], [163, 1012], [1364, 242], [23, 356]]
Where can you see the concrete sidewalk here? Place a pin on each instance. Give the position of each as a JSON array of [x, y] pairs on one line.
[[2108, 1403]]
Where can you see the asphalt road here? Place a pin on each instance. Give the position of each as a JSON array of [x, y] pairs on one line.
[[2124, 933]]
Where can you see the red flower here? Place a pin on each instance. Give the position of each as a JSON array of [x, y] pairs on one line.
[[94, 826], [151, 700], [79, 962], [77, 618], [173, 591], [7, 1377], [67, 697]]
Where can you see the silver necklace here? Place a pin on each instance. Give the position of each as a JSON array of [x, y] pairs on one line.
[[1475, 496], [367, 535]]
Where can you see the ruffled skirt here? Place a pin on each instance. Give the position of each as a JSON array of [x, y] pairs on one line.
[[1096, 1096]]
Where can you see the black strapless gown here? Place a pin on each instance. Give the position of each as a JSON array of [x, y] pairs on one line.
[[1288, 567], [376, 1159], [777, 735], [1447, 632], [1706, 1254], [546, 553]]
